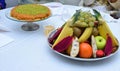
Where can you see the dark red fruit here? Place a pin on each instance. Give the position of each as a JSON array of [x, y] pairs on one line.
[[108, 47], [63, 44], [51, 39]]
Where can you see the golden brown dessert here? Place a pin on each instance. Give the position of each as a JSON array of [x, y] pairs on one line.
[[30, 12]]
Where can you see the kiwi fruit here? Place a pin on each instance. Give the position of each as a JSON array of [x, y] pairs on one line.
[[77, 31], [95, 31]]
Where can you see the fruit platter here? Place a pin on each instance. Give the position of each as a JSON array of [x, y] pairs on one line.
[[85, 36]]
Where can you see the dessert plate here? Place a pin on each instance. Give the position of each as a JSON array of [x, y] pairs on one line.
[[30, 25], [7, 14], [77, 58]]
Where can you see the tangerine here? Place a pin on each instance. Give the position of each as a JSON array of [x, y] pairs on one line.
[[85, 50]]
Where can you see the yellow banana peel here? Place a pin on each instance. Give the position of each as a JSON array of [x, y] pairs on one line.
[[86, 34], [66, 31]]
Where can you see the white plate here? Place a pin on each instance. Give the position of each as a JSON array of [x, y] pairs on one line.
[[77, 58]]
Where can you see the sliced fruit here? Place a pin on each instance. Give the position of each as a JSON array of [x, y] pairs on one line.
[[104, 30], [63, 44], [86, 34], [55, 36], [94, 46], [66, 31], [108, 47], [75, 48]]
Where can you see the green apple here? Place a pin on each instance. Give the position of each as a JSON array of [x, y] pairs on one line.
[[100, 41]]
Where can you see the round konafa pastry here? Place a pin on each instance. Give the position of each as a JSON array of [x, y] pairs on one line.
[[30, 12]]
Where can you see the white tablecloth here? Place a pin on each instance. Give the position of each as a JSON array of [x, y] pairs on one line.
[[30, 51]]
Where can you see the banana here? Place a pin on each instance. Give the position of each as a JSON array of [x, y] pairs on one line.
[[66, 31], [104, 30], [86, 34]]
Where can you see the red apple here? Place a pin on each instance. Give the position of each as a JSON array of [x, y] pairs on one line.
[[100, 53]]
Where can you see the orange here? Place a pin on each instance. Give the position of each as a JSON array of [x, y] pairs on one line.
[[85, 50]]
